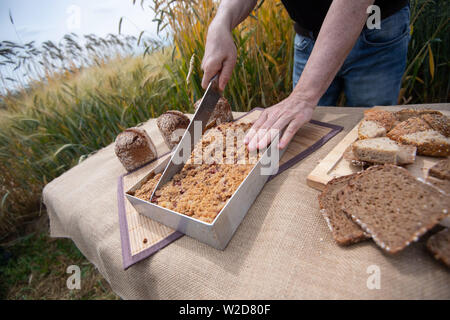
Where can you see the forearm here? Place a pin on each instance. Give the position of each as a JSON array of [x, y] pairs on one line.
[[232, 12], [340, 30]]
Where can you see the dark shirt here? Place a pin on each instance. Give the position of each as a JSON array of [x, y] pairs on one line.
[[309, 14]]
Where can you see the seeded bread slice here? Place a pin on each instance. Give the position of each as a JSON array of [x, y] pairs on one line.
[[441, 170], [384, 118], [438, 122], [343, 229], [383, 150], [349, 156], [439, 245], [412, 125], [428, 143], [370, 129], [393, 206], [405, 114]]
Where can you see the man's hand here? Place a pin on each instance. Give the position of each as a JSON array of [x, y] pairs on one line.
[[220, 55], [220, 51], [291, 113]]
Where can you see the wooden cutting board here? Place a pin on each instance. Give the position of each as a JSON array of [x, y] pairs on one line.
[[334, 165]]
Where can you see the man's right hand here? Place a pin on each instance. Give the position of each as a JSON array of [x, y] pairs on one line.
[[220, 55]]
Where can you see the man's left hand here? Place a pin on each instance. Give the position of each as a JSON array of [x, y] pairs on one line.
[[290, 113]]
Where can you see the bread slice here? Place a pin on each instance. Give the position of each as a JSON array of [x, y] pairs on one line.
[[370, 129], [350, 156], [393, 206], [439, 245], [438, 122], [343, 229], [412, 125], [443, 185], [405, 114], [441, 170], [384, 118], [383, 150], [428, 143]]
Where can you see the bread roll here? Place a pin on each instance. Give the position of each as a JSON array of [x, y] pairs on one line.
[[221, 114], [169, 124], [134, 148]]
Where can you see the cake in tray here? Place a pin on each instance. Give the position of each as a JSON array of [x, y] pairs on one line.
[[218, 164]]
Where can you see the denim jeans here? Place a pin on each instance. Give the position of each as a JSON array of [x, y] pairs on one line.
[[372, 72]]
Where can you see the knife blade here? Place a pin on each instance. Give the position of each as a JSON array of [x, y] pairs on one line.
[[193, 133]]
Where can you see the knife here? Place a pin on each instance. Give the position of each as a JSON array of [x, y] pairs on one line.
[[193, 132]]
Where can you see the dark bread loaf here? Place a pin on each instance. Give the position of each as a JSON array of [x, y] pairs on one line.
[[134, 148], [393, 206], [222, 113], [172, 124], [343, 229], [439, 245]]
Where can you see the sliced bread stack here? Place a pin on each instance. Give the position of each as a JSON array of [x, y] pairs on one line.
[[427, 130], [343, 229], [386, 202], [393, 206]]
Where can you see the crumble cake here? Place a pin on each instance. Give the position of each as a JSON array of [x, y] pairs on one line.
[[209, 178]]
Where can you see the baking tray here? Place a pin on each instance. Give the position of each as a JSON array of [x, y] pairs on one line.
[[219, 232]]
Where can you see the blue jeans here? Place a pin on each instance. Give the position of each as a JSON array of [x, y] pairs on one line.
[[372, 72]]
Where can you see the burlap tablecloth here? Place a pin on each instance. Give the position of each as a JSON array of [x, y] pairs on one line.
[[282, 249]]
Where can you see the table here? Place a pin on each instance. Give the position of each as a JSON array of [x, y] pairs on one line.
[[282, 249]]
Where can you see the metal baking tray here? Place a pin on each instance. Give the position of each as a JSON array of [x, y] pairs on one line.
[[219, 232]]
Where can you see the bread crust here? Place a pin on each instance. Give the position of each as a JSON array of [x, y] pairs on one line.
[[222, 113], [385, 118], [168, 123], [354, 233], [439, 246], [134, 148], [405, 114], [441, 170]]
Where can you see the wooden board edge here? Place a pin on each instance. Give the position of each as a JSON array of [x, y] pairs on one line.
[[319, 177]]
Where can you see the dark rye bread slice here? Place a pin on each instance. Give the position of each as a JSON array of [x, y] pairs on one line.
[[343, 229], [441, 170], [393, 206], [439, 245]]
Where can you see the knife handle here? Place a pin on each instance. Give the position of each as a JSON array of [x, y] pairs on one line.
[[215, 82]]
